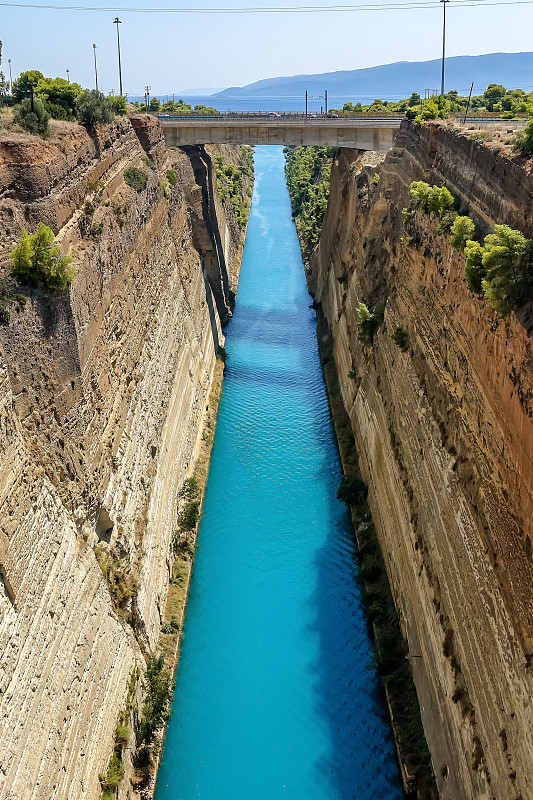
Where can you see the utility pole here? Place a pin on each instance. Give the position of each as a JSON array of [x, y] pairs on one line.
[[326, 101], [95, 67], [147, 95], [117, 22], [68, 76], [468, 104], [443, 44], [10, 78], [306, 103], [31, 85]]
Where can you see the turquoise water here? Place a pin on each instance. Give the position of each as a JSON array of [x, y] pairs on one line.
[[274, 696]]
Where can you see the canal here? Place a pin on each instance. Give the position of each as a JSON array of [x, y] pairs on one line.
[[275, 695]]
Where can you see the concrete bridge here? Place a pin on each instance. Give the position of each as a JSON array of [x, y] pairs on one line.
[[362, 134]]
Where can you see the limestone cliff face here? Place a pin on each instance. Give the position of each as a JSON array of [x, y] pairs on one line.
[[445, 437], [103, 390]]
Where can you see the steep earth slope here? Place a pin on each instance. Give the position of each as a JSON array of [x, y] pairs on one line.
[[444, 433], [103, 392]]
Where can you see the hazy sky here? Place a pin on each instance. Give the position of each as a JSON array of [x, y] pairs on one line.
[[172, 52]]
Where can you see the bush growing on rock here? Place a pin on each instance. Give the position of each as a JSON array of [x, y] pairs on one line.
[[463, 229], [352, 491], [34, 120], [501, 269], [523, 140], [92, 108], [431, 199], [474, 269], [508, 265], [172, 177], [400, 339], [368, 321], [135, 178], [35, 260], [156, 709]]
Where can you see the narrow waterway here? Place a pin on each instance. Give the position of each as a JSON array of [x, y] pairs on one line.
[[275, 697]]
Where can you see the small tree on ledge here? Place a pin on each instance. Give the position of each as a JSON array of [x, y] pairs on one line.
[[36, 260]]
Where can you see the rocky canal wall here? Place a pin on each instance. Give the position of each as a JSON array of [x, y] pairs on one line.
[[444, 433], [103, 393]]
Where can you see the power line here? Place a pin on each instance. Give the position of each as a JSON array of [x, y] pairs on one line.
[[418, 4]]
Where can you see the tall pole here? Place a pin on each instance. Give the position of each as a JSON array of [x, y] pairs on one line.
[[443, 44], [10, 78], [32, 101], [468, 104], [326, 101], [117, 22], [68, 76], [95, 68], [306, 103], [147, 95]]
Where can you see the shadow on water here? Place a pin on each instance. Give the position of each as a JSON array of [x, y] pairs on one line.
[[349, 695]]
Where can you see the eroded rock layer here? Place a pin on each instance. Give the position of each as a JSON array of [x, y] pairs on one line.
[[445, 437], [103, 390]]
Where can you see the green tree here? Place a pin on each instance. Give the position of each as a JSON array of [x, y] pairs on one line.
[[463, 230], [475, 271], [156, 709], [155, 105], [493, 94], [434, 108], [206, 110], [36, 260], [92, 108], [21, 86], [59, 96], [508, 264], [34, 120], [120, 104]]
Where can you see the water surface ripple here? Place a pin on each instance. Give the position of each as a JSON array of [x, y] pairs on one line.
[[274, 697]]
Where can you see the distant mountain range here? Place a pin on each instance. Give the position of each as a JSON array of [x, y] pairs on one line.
[[398, 80]]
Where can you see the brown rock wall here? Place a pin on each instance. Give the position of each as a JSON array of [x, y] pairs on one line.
[[103, 391], [444, 434]]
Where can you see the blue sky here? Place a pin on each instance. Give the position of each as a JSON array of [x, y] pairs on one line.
[[175, 52]]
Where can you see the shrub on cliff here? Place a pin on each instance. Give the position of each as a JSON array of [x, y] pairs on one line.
[[172, 177], [523, 140], [35, 260], [115, 773], [352, 491], [135, 178], [508, 264], [92, 108], [475, 271], [368, 321], [431, 199], [463, 229], [156, 709], [501, 269], [400, 339], [34, 120], [120, 105]]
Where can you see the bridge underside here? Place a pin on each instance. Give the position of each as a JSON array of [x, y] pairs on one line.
[[375, 138]]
